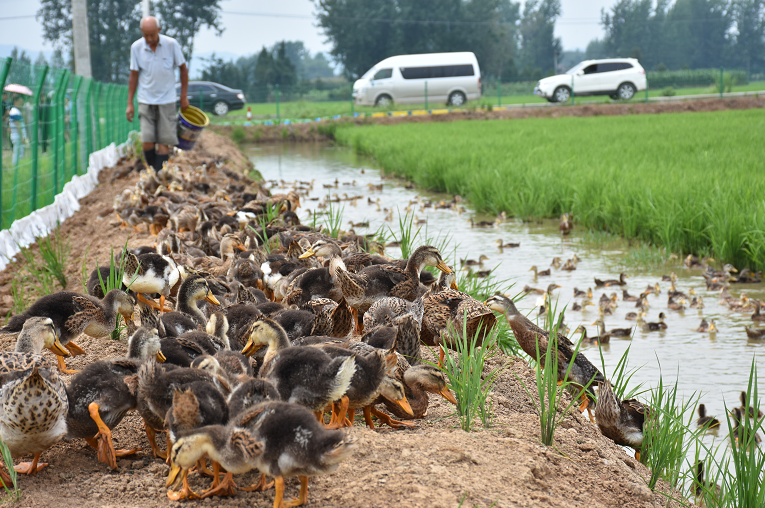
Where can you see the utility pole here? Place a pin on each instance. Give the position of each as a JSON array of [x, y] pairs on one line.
[[81, 38], [146, 8]]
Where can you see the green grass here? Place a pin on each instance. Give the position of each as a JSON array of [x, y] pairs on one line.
[[115, 281], [685, 182], [12, 492], [311, 110]]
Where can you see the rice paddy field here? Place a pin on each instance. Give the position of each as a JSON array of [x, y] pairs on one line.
[[691, 183]]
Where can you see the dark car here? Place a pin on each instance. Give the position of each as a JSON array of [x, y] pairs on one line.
[[214, 97]]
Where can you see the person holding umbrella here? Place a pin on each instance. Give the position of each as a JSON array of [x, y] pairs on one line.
[[153, 60], [18, 129]]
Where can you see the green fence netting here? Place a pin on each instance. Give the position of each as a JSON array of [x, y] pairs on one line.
[[52, 120]]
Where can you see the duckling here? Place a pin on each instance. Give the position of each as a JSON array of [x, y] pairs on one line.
[[673, 305], [631, 316], [757, 316], [556, 262], [577, 307], [737, 415], [508, 245], [583, 294], [419, 381], [309, 376], [754, 333], [620, 421], [104, 391], [702, 488], [748, 412], [150, 273], [473, 262], [565, 226], [697, 303], [569, 265], [266, 332], [169, 324], [704, 420], [612, 282], [297, 323], [193, 289], [183, 350], [249, 394], [653, 327], [628, 297], [705, 327], [669, 278], [32, 395], [278, 438], [603, 338], [539, 273], [484, 223], [75, 313], [547, 291], [219, 267]]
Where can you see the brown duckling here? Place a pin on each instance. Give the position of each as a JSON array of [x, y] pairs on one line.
[[631, 316], [419, 381], [755, 333], [280, 439], [757, 316], [676, 305], [705, 326], [473, 262], [737, 415], [75, 313], [105, 391], [508, 245], [194, 289], [620, 421], [539, 273], [612, 282], [697, 302], [569, 265], [750, 412], [628, 297], [565, 226], [32, 395], [704, 420], [653, 327], [583, 294]]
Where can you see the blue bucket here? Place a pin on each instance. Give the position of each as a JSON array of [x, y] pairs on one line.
[[191, 122]]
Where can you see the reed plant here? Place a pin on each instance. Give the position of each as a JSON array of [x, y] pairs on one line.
[[549, 390], [407, 234], [698, 193], [621, 376], [333, 219], [12, 492], [465, 373]]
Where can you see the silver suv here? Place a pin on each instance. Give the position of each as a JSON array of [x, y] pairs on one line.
[[619, 78]]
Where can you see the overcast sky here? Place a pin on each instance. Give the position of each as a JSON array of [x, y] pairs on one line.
[[245, 34]]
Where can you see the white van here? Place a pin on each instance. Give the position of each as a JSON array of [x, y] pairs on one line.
[[451, 78]]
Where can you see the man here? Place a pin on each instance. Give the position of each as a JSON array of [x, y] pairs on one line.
[[18, 129], [153, 60]]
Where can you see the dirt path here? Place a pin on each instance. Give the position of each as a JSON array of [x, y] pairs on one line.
[[323, 131], [434, 465]]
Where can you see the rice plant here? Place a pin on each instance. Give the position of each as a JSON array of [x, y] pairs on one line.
[[334, 219], [12, 492], [666, 437], [54, 251], [115, 281], [620, 378], [407, 234], [466, 376], [549, 390]]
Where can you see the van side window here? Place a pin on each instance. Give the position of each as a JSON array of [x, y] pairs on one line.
[[383, 74], [438, 71]]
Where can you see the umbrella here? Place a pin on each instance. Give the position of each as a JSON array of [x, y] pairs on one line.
[[18, 89]]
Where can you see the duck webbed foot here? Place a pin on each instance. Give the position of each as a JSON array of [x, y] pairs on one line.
[[62, 366], [278, 499], [151, 435], [261, 486], [338, 419], [28, 468], [185, 492], [223, 488], [396, 424]]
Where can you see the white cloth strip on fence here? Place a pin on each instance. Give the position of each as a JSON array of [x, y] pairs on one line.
[[25, 231]]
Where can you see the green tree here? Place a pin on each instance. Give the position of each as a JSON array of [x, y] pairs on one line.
[[283, 72], [698, 33], [21, 69], [538, 42], [183, 19], [749, 18]]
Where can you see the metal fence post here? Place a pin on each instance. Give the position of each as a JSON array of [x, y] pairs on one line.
[[646, 90], [573, 100], [34, 140], [499, 92], [74, 124], [88, 109], [278, 117], [97, 116], [55, 128], [426, 94], [722, 83], [3, 76], [352, 101]]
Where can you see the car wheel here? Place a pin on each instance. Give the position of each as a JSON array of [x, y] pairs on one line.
[[626, 91], [457, 99], [383, 101], [220, 108], [562, 94]]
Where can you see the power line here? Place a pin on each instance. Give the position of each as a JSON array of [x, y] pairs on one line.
[[18, 17]]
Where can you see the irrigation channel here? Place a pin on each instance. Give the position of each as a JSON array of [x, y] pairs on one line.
[[716, 365]]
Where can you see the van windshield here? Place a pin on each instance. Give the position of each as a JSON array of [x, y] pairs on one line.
[[575, 68], [369, 73]]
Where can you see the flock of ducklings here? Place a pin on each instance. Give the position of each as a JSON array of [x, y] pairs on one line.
[[274, 328]]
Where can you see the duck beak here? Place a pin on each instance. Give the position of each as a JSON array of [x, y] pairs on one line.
[[160, 357], [58, 349], [307, 254], [404, 404], [443, 267], [172, 476], [211, 298], [448, 395], [241, 247], [250, 348]]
